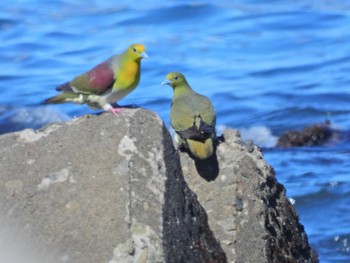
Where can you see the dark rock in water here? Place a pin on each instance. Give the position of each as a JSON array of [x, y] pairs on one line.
[[313, 135], [112, 189]]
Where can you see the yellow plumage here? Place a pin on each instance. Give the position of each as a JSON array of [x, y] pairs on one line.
[[201, 150]]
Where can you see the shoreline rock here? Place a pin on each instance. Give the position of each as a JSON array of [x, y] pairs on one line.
[[312, 135], [247, 208], [112, 189]]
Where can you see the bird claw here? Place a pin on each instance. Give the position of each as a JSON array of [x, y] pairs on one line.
[[115, 111]]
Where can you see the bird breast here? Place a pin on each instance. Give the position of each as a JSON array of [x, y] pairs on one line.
[[128, 77]]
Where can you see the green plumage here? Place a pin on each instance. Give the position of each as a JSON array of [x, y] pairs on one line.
[[193, 118], [106, 83], [63, 97]]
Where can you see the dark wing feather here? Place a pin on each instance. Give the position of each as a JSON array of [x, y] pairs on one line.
[[197, 132]]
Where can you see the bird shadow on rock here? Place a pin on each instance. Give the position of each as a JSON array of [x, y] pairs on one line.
[[208, 168]]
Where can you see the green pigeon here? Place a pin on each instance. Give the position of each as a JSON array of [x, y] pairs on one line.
[[193, 118], [106, 83]]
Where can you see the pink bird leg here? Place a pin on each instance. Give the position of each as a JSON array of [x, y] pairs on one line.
[[116, 110]]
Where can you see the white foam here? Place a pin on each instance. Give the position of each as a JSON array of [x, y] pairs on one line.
[[220, 129], [261, 135], [35, 118]]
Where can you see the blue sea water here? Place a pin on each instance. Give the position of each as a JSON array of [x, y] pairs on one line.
[[268, 67]]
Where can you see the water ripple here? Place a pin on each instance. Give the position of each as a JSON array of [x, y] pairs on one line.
[[176, 13]]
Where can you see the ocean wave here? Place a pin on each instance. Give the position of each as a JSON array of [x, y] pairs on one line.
[[261, 135], [27, 117]]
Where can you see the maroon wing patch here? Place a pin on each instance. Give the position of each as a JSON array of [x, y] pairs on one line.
[[96, 81], [101, 77]]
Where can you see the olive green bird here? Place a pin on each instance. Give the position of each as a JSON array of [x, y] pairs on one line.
[[106, 83], [193, 118]]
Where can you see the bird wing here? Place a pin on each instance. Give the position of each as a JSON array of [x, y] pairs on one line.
[[193, 117], [97, 80], [195, 132]]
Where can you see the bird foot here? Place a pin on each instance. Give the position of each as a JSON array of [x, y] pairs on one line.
[[116, 110]]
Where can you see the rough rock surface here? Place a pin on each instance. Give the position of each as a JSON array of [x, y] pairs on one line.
[[111, 189], [102, 189], [246, 206]]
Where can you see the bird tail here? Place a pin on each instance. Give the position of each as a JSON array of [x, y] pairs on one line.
[[64, 97], [201, 149]]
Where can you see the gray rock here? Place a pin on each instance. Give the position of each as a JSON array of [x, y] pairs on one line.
[[111, 189], [247, 208], [101, 189]]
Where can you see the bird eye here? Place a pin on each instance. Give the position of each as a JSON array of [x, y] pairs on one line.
[[176, 77], [134, 49]]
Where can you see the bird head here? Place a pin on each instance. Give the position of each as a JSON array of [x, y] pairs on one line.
[[174, 79], [137, 51]]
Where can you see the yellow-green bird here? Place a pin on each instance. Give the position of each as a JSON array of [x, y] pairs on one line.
[[106, 83], [193, 118]]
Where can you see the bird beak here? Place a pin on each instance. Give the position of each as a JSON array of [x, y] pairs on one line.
[[166, 82], [143, 55]]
